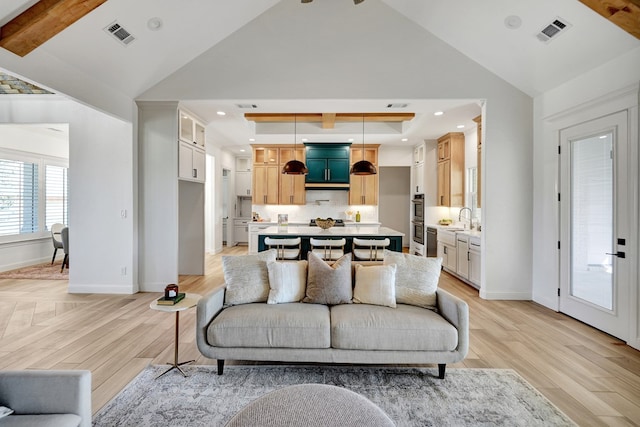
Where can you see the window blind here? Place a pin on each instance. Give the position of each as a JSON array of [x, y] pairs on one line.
[[55, 195], [18, 197]]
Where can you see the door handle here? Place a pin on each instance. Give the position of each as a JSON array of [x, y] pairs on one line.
[[618, 254]]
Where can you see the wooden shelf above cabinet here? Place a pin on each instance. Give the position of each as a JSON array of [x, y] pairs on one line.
[[328, 120]]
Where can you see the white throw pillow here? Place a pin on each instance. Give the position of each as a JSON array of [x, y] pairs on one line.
[[375, 285], [247, 277], [416, 278], [287, 280]]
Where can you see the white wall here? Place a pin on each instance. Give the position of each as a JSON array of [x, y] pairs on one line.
[[100, 187], [397, 63], [587, 97]]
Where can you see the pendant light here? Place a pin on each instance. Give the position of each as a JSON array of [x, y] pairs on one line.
[[295, 167], [363, 167]]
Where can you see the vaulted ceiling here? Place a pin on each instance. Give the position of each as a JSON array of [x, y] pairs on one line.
[[85, 62]]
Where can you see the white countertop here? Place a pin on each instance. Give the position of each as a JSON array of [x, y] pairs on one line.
[[306, 223], [355, 230]]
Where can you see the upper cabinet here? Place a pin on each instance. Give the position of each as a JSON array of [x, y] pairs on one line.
[[328, 165], [364, 188], [451, 170], [243, 176], [417, 169], [291, 189], [191, 148], [270, 186], [478, 120]]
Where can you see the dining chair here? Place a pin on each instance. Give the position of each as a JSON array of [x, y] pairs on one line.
[[64, 233], [56, 240]]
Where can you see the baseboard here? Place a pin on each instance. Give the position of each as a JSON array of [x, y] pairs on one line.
[[102, 289]]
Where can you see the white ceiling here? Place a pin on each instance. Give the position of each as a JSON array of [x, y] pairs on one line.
[[189, 28]]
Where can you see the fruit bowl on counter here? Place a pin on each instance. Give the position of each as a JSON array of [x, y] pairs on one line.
[[445, 221], [325, 223]]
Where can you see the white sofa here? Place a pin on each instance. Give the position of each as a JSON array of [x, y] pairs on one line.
[[46, 398], [333, 333]]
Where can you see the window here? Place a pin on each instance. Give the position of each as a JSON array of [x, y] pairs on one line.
[[18, 197], [33, 194], [56, 195]]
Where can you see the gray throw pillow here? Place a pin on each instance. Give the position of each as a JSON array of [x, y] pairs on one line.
[[417, 278], [247, 277], [329, 284]]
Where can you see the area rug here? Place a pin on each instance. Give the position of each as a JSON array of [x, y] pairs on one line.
[[44, 271], [409, 396]]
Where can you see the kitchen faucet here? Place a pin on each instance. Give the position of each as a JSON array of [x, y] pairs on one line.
[[460, 215]]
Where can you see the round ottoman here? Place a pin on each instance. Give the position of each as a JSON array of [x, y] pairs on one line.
[[311, 405]]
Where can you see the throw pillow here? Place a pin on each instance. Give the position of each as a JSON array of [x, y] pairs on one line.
[[287, 280], [247, 277], [5, 412], [329, 284], [375, 285], [416, 278]]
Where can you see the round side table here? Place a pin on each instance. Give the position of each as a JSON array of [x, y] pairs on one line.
[[190, 300]]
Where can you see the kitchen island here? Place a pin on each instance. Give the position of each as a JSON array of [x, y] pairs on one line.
[[306, 233]]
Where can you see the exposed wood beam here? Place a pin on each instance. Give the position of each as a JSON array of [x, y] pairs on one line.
[[624, 13], [41, 22], [326, 118]]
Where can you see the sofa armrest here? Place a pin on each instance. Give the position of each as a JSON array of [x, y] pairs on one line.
[[456, 311], [208, 307], [47, 392]]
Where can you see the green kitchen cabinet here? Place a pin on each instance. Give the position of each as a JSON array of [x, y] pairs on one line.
[[328, 165]]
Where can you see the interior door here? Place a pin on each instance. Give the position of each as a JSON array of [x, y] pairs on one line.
[[594, 224]]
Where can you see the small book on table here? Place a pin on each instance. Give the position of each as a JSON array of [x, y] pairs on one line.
[[172, 300]]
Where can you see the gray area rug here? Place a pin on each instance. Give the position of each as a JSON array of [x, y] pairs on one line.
[[410, 396]]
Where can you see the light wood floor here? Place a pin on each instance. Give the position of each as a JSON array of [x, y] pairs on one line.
[[592, 377]]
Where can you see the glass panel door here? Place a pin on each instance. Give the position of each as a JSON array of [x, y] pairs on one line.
[[592, 219]]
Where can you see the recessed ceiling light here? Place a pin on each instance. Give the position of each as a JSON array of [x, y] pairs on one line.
[[512, 22], [304, 139], [438, 113], [221, 113], [154, 24], [252, 139], [460, 126], [603, 136], [404, 139], [350, 139], [242, 150]]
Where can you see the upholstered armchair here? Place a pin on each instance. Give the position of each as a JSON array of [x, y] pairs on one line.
[[46, 398]]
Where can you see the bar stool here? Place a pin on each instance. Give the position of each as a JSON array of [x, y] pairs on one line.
[[369, 249], [285, 248], [328, 249]]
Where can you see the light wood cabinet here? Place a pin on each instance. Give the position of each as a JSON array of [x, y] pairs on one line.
[[270, 186], [451, 169], [478, 120], [265, 155], [265, 184], [291, 190], [363, 189]]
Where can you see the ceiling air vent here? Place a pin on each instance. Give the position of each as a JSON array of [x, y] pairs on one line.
[[397, 105], [122, 35], [552, 30], [246, 106]]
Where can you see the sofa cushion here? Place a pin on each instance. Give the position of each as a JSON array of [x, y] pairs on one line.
[[375, 285], [406, 327], [48, 420], [329, 284], [293, 325], [416, 278], [247, 277], [287, 281]]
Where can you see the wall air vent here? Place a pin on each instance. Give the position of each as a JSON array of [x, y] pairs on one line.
[[122, 35], [552, 30], [397, 105], [245, 106]]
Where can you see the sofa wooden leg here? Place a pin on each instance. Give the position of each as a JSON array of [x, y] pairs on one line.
[[441, 369], [220, 366]]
